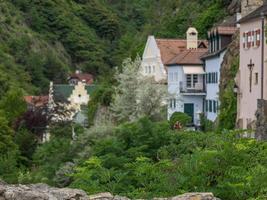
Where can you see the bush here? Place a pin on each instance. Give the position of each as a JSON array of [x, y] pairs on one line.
[[180, 117], [206, 124]]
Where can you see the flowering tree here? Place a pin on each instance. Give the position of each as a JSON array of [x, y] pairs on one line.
[[136, 96]]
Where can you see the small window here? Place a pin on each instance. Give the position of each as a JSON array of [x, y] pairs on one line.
[[154, 69], [195, 79], [80, 96], [210, 106], [207, 105], [176, 76], [149, 69], [172, 103], [256, 78], [188, 80], [170, 76], [214, 107], [146, 69]]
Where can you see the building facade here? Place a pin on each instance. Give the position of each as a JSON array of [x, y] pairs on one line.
[[252, 75], [158, 52], [219, 37], [186, 79]]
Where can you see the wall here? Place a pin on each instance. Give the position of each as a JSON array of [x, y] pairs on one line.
[[248, 100], [213, 64], [152, 58], [181, 99]]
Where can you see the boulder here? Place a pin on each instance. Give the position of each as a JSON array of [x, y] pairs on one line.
[[45, 192]]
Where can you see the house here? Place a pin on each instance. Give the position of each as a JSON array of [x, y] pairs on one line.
[[219, 37], [78, 76], [186, 79], [35, 102], [158, 52], [252, 75], [74, 98]]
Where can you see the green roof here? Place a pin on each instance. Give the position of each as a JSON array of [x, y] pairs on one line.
[[63, 91]]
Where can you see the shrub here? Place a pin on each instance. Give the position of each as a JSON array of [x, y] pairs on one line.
[[180, 117]]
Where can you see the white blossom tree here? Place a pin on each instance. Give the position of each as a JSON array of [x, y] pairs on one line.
[[136, 96]]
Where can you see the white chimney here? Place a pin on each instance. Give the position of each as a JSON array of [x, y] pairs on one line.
[[192, 38]]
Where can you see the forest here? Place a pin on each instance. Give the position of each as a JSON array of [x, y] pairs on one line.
[[140, 155]]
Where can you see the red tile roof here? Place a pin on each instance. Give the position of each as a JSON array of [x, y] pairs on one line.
[[189, 57], [36, 101], [83, 77], [170, 48]]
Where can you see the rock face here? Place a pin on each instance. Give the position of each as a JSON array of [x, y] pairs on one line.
[[39, 192], [44, 192]]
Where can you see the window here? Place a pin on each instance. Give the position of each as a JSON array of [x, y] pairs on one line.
[[172, 103], [171, 76], [146, 69], [214, 107], [154, 69], [258, 33], [149, 69], [210, 106], [207, 105], [176, 76], [188, 80], [191, 80], [256, 78], [195, 79]]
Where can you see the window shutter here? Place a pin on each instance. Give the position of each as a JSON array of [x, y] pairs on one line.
[[249, 40], [258, 37], [244, 40], [252, 38]]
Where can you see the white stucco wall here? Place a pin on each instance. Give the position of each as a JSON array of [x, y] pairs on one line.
[[248, 100], [79, 95], [152, 65], [181, 99], [213, 64]]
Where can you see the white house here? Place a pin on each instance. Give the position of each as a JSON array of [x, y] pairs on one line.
[[186, 79], [219, 38], [158, 52]]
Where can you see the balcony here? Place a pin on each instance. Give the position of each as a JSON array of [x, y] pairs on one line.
[[194, 89]]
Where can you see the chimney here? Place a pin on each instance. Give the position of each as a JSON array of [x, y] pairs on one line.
[[192, 38], [248, 6]]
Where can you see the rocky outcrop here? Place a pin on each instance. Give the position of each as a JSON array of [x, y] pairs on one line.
[[39, 192], [44, 192]]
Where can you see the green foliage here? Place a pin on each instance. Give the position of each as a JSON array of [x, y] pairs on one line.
[[8, 153], [228, 99], [102, 96], [206, 124], [27, 143], [180, 117], [12, 105], [146, 159]]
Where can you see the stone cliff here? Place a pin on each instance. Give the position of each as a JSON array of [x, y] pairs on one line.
[[44, 192]]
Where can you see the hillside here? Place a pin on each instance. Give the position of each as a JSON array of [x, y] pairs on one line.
[[44, 40]]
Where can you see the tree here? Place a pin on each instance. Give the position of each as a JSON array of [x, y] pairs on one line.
[[136, 96], [8, 152], [13, 105]]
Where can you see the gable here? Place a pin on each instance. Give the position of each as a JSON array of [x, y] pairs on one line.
[[151, 49]]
